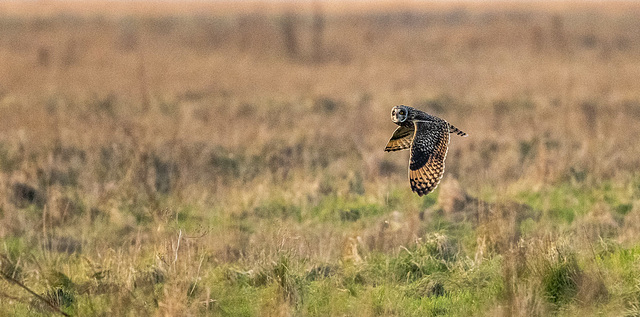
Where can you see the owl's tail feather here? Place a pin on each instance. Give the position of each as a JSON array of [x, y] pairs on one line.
[[457, 131]]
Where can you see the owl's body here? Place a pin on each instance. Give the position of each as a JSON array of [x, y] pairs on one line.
[[428, 138]]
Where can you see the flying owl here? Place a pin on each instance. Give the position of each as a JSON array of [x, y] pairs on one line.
[[428, 137]]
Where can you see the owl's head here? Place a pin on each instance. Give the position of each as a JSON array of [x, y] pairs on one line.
[[400, 114]]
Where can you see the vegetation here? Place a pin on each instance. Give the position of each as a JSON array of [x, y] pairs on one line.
[[230, 163]]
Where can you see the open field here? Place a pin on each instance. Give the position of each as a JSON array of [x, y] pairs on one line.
[[228, 161]]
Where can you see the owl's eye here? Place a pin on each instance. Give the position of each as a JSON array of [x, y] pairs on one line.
[[402, 112]]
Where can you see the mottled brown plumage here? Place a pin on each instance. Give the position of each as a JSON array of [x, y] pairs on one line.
[[428, 138]]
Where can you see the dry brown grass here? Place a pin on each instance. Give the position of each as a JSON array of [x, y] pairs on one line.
[[197, 144]]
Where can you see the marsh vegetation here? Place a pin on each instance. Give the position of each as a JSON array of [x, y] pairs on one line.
[[231, 163]]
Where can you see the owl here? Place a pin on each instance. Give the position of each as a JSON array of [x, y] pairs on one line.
[[428, 138]]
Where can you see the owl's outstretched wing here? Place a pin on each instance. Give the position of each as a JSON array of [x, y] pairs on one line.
[[401, 139], [428, 151]]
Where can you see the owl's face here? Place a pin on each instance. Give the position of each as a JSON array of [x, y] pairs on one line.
[[399, 114]]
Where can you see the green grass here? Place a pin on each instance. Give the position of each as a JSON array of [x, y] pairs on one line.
[[187, 165], [210, 262]]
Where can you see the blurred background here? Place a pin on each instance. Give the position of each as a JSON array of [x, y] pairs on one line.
[[139, 140]]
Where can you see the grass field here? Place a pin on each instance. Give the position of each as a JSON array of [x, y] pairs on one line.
[[228, 161]]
